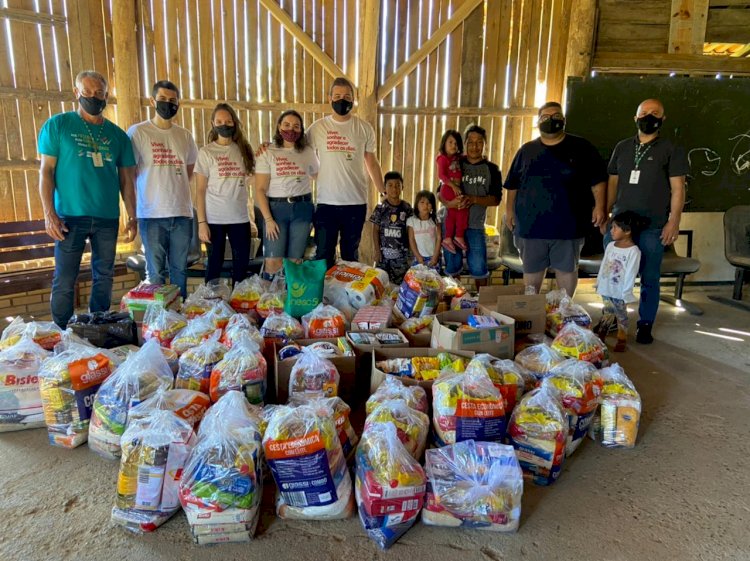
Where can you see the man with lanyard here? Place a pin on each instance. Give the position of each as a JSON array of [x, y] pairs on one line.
[[345, 145], [556, 190], [87, 163], [647, 176], [165, 155]]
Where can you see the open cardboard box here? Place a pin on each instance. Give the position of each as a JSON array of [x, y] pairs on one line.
[[527, 309], [497, 341], [378, 375], [363, 353]]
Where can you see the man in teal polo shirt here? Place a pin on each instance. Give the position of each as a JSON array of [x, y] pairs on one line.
[[87, 163]]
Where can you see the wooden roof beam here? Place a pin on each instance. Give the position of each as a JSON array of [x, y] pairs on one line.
[[687, 26], [659, 63], [458, 17]]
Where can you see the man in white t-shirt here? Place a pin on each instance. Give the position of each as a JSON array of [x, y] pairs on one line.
[[345, 145], [165, 155]]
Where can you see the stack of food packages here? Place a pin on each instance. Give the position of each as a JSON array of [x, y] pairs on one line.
[[247, 293], [389, 485], [341, 414], [136, 379], [616, 423], [420, 293], [20, 401], [144, 294], [579, 384], [580, 343], [67, 384], [46, 334], [422, 368], [566, 311], [222, 485], [393, 388], [205, 296], [467, 406], [155, 448], [473, 484], [272, 300], [198, 361], [303, 450], [313, 375], [349, 286], [370, 318], [538, 430], [242, 368], [510, 379], [237, 326], [324, 322], [162, 324]]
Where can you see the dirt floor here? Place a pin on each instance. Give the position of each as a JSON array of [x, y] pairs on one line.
[[679, 495]]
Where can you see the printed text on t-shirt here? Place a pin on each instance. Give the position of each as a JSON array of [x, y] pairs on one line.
[[164, 156], [337, 143], [228, 167]]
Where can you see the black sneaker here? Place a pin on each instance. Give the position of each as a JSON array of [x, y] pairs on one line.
[[643, 333]]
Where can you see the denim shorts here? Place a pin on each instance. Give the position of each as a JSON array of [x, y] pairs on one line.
[[539, 255], [294, 221], [476, 256]]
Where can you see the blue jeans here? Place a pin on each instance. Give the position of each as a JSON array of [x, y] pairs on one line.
[[102, 234], [476, 256], [652, 252], [166, 242], [294, 221]]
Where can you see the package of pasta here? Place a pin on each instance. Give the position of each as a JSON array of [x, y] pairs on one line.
[[411, 425], [538, 430], [189, 405], [567, 312], [194, 333], [473, 484], [162, 324], [244, 369], [413, 326], [303, 450], [138, 378], [577, 342], [197, 363], [420, 292], [539, 359], [615, 424], [220, 314], [154, 451], [281, 327], [272, 300], [467, 406], [579, 384], [313, 374], [393, 388], [20, 401], [238, 326], [341, 414], [68, 382], [389, 485], [324, 322], [247, 293], [509, 378]]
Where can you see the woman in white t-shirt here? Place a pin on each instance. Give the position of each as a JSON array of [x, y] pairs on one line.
[[424, 231], [283, 192], [221, 173]]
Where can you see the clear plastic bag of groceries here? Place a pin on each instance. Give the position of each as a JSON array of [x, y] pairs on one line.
[[12, 333], [579, 384], [467, 406], [154, 451], [162, 324], [272, 300], [577, 342], [313, 375], [615, 424], [232, 410], [196, 331], [509, 378], [189, 405], [412, 426], [420, 292], [567, 312], [238, 325], [324, 322], [304, 452], [282, 327], [341, 414], [46, 334], [68, 382], [474, 484], [538, 430], [247, 293], [242, 368], [20, 400], [553, 299], [197, 363], [393, 388], [539, 359], [220, 314], [136, 379], [389, 486]]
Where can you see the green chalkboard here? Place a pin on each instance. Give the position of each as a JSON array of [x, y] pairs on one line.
[[709, 118]]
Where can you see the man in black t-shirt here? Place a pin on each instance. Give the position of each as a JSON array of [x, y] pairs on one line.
[[556, 190], [647, 176]]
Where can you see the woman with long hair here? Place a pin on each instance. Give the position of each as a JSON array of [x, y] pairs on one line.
[[222, 171], [283, 192]]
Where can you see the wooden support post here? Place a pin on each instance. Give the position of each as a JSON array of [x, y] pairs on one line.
[[367, 99], [126, 62], [687, 26], [581, 38]]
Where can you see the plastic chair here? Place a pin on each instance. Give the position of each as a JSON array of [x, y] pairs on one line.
[[737, 244]]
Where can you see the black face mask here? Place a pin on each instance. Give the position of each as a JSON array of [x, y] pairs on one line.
[[225, 131], [649, 124], [552, 126], [342, 106], [166, 109], [92, 105]]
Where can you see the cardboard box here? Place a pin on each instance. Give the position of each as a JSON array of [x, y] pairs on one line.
[[363, 363], [378, 375], [368, 348], [497, 341], [528, 310], [346, 365], [421, 339]]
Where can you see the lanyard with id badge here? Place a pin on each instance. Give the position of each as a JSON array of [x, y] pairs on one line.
[[96, 155], [640, 152]]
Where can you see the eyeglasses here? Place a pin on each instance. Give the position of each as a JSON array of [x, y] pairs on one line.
[[556, 116]]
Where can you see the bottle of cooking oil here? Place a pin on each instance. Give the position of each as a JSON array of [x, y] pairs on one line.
[[127, 479]]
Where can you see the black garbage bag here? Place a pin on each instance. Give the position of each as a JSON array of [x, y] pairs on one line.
[[105, 330]]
